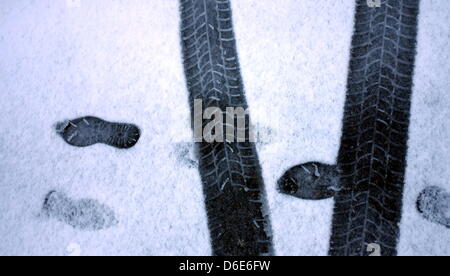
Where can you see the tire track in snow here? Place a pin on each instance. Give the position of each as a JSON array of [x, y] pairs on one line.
[[373, 150], [230, 172]]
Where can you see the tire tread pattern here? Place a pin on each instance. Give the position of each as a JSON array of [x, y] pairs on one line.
[[372, 157], [230, 172]]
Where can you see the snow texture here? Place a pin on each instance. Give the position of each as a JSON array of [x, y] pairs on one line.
[[121, 61], [429, 145]]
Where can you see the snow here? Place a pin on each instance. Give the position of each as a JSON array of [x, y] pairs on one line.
[[296, 86], [429, 131], [121, 61]]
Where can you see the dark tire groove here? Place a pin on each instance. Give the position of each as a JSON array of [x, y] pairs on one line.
[[230, 172], [372, 157]]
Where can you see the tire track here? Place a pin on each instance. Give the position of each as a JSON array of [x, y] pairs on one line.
[[230, 171], [373, 150]]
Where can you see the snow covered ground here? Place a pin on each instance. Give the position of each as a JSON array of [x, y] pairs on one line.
[[121, 61]]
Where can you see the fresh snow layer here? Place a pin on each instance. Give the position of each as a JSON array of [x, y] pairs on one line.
[[429, 145], [121, 61], [294, 58]]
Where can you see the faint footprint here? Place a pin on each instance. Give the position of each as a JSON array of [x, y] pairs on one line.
[[310, 181], [264, 136], [84, 214], [87, 131], [434, 205], [185, 154]]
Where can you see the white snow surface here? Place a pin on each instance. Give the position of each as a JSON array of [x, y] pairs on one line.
[[121, 61]]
